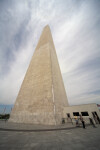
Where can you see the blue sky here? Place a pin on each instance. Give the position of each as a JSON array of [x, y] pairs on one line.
[[75, 27]]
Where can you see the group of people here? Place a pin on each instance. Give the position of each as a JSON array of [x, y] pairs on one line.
[[83, 121]]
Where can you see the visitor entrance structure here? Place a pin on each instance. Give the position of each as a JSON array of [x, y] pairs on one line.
[[42, 95]]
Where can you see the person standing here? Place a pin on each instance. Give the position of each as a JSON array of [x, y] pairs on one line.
[[76, 119], [83, 122]]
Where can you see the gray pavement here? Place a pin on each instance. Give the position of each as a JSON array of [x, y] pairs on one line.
[[76, 139]]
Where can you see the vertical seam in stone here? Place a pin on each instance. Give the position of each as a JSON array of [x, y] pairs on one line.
[[52, 88]]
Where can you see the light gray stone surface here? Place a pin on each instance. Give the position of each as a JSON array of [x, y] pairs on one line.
[[42, 96], [76, 139]]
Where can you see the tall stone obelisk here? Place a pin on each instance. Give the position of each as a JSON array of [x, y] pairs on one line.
[[42, 96]]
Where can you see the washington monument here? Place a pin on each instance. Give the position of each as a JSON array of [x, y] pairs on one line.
[[42, 95]]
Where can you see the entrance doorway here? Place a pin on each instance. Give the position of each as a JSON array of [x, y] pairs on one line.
[[69, 118], [96, 117], [68, 115]]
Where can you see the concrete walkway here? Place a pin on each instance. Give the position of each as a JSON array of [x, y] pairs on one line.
[[77, 139]]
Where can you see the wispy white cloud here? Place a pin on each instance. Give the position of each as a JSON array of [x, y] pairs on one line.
[[75, 30]]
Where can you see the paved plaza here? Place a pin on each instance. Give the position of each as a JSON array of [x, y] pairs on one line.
[[69, 139]]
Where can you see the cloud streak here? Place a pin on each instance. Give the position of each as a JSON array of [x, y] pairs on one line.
[[75, 29]]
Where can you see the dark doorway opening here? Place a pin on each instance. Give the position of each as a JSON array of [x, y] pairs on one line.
[[68, 115], [96, 117], [69, 119]]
